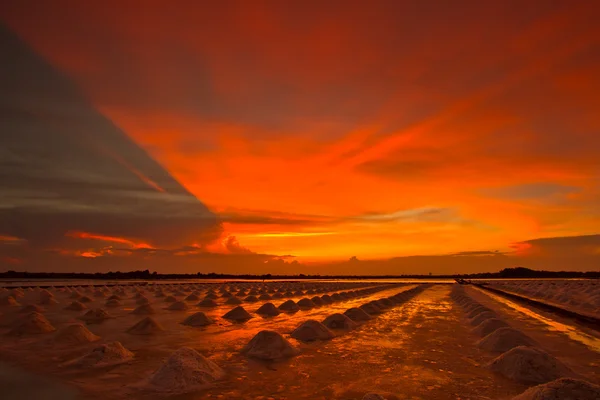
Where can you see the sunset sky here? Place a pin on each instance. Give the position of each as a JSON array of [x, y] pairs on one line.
[[289, 136]]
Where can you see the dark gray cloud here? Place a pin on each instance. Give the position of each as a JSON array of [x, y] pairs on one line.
[[65, 167]]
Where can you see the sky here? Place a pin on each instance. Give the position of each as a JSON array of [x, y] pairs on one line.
[[289, 137]]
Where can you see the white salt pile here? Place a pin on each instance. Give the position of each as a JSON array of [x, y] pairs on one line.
[[192, 297], [197, 319], [233, 300], [504, 339], [529, 365], [305, 304], [489, 325], [373, 396], [268, 309], [178, 306], [34, 323], [269, 345], [562, 389], [208, 303], [74, 335], [238, 314], [103, 356], [112, 303], [357, 315], [94, 316], [339, 321], [186, 370], [289, 306], [147, 326], [479, 318], [76, 306], [8, 301], [312, 330], [145, 309], [31, 308]]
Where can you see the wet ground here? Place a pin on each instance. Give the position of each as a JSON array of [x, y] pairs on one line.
[[421, 349]]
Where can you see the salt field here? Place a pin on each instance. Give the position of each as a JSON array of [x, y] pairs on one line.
[[293, 340]]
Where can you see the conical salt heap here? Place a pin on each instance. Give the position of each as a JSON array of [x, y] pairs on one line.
[[529, 365], [74, 335], [192, 297], [305, 304], [178, 306], [144, 309], [147, 326], [95, 315], [238, 314], [269, 345], [289, 306], [251, 299], [170, 299], [84, 299], [339, 321], [479, 318], [207, 303], [112, 303], [504, 339], [564, 388], [268, 309], [233, 300], [31, 308], [357, 315], [186, 370], [103, 356], [370, 309], [489, 325], [197, 319], [34, 323], [76, 306], [312, 330], [373, 396], [8, 301], [142, 300]]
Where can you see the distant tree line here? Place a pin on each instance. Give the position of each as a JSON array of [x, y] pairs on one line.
[[518, 272]]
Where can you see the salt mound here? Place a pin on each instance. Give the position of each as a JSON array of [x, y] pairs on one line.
[[34, 323], [85, 299], [76, 306], [251, 299], [373, 396], [370, 309], [207, 303], [562, 389], [268, 309], [170, 299], [48, 301], [317, 301], [186, 370], [145, 309], [112, 303], [264, 297], [289, 306], [103, 356], [74, 335], [31, 308], [339, 321], [305, 303], [269, 345], [95, 315], [192, 297], [482, 317], [233, 300], [147, 326], [489, 325], [529, 365], [504, 339], [238, 314], [178, 306], [312, 330], [357, 315], [8, 301], [197, 319], [142, 300]]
